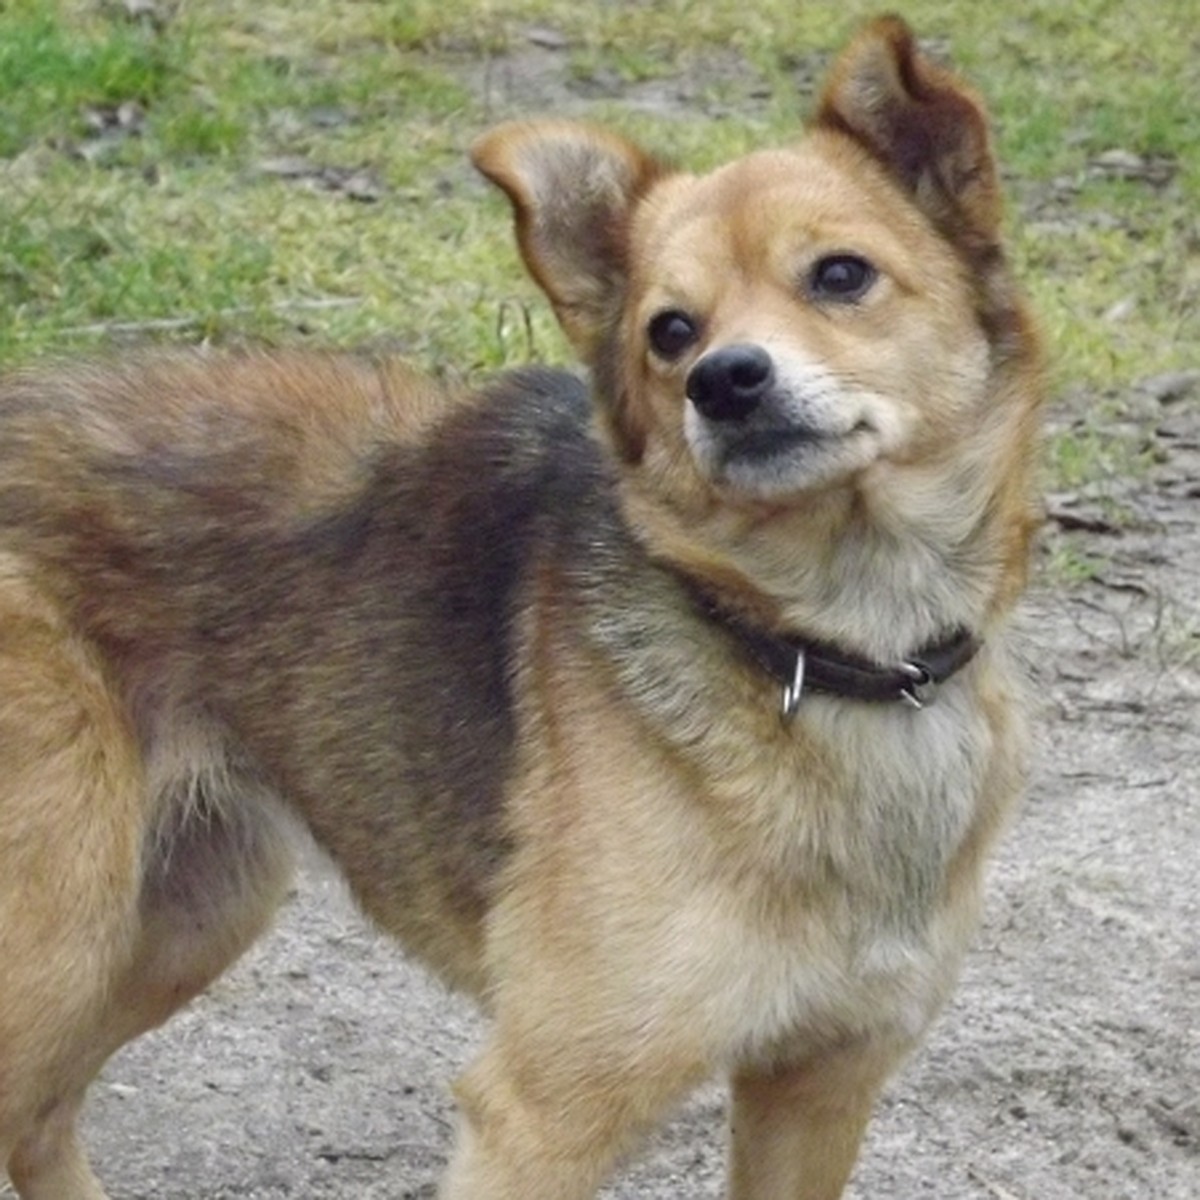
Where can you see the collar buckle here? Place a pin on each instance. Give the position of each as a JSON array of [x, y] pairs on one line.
[[920, 688], [795, 689]]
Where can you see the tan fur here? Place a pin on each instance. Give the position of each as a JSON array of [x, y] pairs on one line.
[[456, 637]]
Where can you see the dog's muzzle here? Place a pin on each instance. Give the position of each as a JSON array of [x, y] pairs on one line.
[[730, 383]]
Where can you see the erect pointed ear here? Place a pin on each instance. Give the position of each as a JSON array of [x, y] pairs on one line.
[[923, 124], [573, 187]]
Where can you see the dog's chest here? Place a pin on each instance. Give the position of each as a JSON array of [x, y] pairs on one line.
[[846, 928], [903, 790]]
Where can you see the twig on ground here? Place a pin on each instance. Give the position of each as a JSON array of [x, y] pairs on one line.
[[164, 324], [1001, 1193]]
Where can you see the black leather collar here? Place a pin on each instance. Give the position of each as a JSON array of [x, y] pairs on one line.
[[803, 664]]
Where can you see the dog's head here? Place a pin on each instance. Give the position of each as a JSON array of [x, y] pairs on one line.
[[815, 318]]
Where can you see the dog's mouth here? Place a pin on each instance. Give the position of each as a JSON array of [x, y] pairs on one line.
[[786, 457], [764, 444], [785, 441]]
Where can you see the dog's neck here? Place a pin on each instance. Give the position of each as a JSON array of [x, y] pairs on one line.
[[867, 611], [880, 576], [801, 664]]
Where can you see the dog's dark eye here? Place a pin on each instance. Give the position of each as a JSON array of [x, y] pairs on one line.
[[841, 277], [671, 333]]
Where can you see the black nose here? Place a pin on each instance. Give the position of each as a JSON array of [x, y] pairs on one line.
[[728, 384]]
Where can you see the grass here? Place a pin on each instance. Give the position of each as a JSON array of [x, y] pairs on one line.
[[172, 222], [49, 74]]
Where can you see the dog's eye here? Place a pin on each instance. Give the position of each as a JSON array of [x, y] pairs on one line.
[[841, 277], [671, 332]]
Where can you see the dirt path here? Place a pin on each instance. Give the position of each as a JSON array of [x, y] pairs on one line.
[[1067, 1067]]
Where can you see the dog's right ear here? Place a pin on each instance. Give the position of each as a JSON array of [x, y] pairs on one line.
[[573, 187]]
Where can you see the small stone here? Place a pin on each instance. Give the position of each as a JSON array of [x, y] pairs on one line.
[[1120, 162], [1170, 386], [1121, 311], [289, 167], [548, 39]]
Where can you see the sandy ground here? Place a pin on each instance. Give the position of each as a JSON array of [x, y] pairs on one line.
[[1068, 1065]]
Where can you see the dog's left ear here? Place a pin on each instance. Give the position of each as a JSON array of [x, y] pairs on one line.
[[573, 187], [923, 124]]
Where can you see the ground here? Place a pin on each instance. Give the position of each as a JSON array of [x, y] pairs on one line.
[[1067, 1066]]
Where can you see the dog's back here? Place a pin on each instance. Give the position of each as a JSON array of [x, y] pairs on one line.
[[271, 555]]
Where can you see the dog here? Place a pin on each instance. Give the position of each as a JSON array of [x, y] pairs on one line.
[[673, 716]]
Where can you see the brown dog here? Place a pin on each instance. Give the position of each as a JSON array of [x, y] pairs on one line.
[[624, 730]]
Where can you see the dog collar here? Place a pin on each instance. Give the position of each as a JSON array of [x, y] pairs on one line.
[[803, 664]]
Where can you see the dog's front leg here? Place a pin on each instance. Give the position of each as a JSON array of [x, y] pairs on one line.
[[546, 1120], [796, 1130]]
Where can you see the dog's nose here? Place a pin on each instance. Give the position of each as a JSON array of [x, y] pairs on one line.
[[728, 384]]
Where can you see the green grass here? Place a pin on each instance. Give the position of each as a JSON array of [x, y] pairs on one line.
[[176, 227], [48, 75], [1073, 565]]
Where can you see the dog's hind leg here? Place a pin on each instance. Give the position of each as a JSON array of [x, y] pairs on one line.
[[226, 879], [71, 815], [101, 937]]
